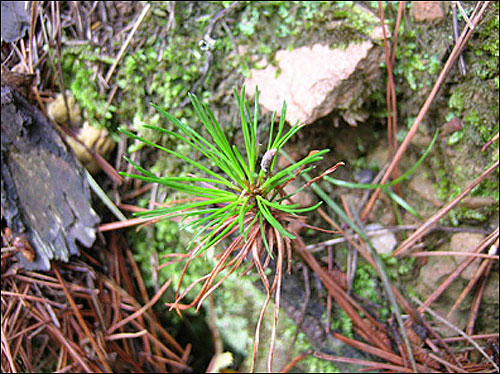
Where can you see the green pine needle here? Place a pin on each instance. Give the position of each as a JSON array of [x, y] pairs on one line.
[[236, 193]]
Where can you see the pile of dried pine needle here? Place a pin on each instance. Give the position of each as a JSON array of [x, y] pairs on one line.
[[84, 316]]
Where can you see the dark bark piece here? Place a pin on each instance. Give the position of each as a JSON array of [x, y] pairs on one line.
[[45, 195], [15, 21]]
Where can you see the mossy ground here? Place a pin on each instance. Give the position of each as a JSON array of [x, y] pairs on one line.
[[472, 98], [163, 65]]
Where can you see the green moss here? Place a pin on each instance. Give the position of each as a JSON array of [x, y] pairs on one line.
[[456, 101], [319, 366], [310, 364], [488, 187], [342, 322], [79, 77], [447, 190], [367, 286], [473, 99], [160, 240], [416, 66], [456, 137], [488, 45], [364, 283], [167, 65]]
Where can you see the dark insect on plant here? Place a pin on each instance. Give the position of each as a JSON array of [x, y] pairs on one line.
[[239, 198]]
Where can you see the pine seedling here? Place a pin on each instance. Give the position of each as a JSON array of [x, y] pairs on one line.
[[238, 197]]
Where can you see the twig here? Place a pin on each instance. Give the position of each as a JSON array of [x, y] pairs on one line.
[[352, 255], [6, 350], [279, 266], [390, 96], [372, 232], [303, 309], [216, 339], [389, 356], [477, 299], [461, 61], [357, 361], [33, 298], [218, 16], [453, 253], [328, 297], [462, 11], [390, 294], [126, 335], [74, 353], [345, 301], [207, 42], [369, 254], [127, 42], [447, 364], [478, 273], [32, 44], [112, 284], [480, 336], [141, 310], [103, 196], [295, 361], [265, 281], [490, 142]]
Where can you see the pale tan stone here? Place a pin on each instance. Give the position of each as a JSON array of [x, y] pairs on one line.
[[312, 80]]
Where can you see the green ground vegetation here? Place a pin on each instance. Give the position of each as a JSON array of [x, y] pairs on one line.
[[168, 65]]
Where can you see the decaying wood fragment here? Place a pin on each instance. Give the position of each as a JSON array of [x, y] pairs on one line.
[[45, 196]]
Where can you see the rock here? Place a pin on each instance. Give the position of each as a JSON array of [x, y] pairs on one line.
[[490, 295], [315, 80], [94, 139], [58, 112], [437, 268], [88, 136], [424, 11], [475, 202], [465, 242], [451, 126], [425, 189], [384, 241], [364, 176], [15, 21], [303, 198], [432, 274]]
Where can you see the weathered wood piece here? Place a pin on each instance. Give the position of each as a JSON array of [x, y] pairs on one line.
[[45, 195]]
